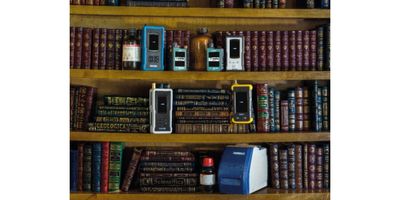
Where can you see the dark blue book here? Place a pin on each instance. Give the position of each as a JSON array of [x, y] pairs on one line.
[[319, 109], [325, 3], [292, 109], [96, 167], [316, 107], [87, 167], [73, 170], [112, 2], [271, 99]]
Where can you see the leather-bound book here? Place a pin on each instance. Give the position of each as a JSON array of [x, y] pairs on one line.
[[262, 108], [72, 92], [229, 3], [277, 100], [178, 37], [306, 109], [78, 47], [96, 167], [103, 49], [268, 3], [274, 157], [262, 3], [275, 3], [80, 167], [219, 41], [320, 48], [283, 169], [169, 40], [78, 2], [319, 168], [325, 3], [73, 170], [86, 48], [220, 3], [262, 51], [310, 3], [292, 50], [102, 2], [282, 3], [311, 166], [256, 3], [132, 168], [325, 108], [105, 159], [305, 166], [306, 50], [292, 110], [316, 104], [270, 50], [327, 40], [96, 2], [118, 48], [313, 50], [95, 48], [299, 109], [87, 167], [277, 51], [186, 38], [285, 50], [254, 51], [71, 46], [247, 3], [271, 100], [319, 108], [292, 166], [110, 51], [326, 166], [91, 93], [247, 50], [299, 166], [284, 116], [299, 50], [114, 174], [80, 108], [89, 2]]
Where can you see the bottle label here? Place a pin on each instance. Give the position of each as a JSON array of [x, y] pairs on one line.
[[131, 52], [207, 179]]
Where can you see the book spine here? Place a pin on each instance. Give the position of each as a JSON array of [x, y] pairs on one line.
[[78, 47], [305, 166], [285, 50], [168, 158], [319, 176], [326, 167], [292, 50], [327, 42], [262, 108], [186, 38], [319, 109], [167, 169], [118, 127], [81, 108], [282, 3], [325, 108], [202, 114], [262, 3], [254, 51], [256, 4], [73, 170], [270, 50], [80, 167], [277, 99], [211, 128], [71, 46], [313, 50], [115, 166], [122, 108], [95, 48], [72, 91], [283, 169], [306, 50], [121, 113], [275, 3], [292, 166], [90, 96], [299, 50], [299, 166], [311, 166], [168, 189], [315, 102], [299, 109], [132, 120], [325, 3], [131, 170], [103, 49], [87, 167], [247, 50], [201, 97], [320, 48], [202, 121], [220, 3], [76, 2], [105, 159], [272, 109], [201, 103], [178, 37], [262, 50], [167, 153], [292, 110], [310, 3], [96, 167], [306, 110], [125, 101], [284, 116], [274, 154], [110, 51], [172, 182], [169, 40], [277, 51], [183, 108], [102, 2], [96, 2], [229, 3], [118, 49], [268, 3], [89, 2], [166, 164]]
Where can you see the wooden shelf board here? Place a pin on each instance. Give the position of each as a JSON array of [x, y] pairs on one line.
[[199, 12], [200, 138], [171, 75], [270, 194]]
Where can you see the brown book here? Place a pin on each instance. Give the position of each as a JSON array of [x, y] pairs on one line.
[[169, 40], [292, 50], [105, 160], [89, 106], [270, 51], [292, 166], [186, 38], [254, 51], [306, 50], [282, 3], [283, 169], [313, 50], [277, 51], [263, 115], [78, 48], [299, 109], [178, 37], [284, 116], [89, 2], [219, 42], [299, 50], [305, 166], [78, 2], [71, 46], [320, 48], [311, 166], [86, 48], [273, 149], [95, 48], [229, 3], [110, 49], [130, 172], [119, 36], [285, 50], [306, 109], [268, 3], [299, 166], [326, 166], [102, 2], [96, 2], [80, 167], [103, 49], [262, 51], [247, 50], [319, 168]]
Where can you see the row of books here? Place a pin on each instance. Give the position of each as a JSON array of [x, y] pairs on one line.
[[81, 106], [300, 166], [272, 3], [144, 3]]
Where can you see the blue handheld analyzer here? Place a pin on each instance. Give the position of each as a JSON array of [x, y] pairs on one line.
[[153, 48]]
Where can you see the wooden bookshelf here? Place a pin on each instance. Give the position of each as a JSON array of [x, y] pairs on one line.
[[201, 138], [218, 76], [270, 194]]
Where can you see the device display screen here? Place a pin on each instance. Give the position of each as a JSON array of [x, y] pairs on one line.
[[179, 54], [162, 105], [241, 102], [180, 63], [234, 48], [213, 54], [153, 38]]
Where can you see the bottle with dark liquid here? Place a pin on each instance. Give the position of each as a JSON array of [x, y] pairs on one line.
[[198, 46], [207, 175], [131, 51]]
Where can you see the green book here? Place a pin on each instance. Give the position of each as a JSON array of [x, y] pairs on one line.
[[114, 176]]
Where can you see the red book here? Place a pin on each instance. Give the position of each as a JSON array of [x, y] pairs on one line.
[[262, 50], [110, 51], [219, 42], [299, 166], [306, 50], [105, 159], [96, 2], [299, 50], [284, 116], [306, 109], [319, 176], [311, 166], [274, 152], [277, 51], [292, 50], [118, 48], [103, 49], [285, 50], [78, 2], [89, 2], [80, 167], [270, 50], [299, 109], [313, 50], [78, 48], [247, 50], [263, 122], [90, 98], [86, 48], [71, 46], [132, 168], [186, 38], [178, 37], [305, 166], [254, 51], [102, 2], [95, 48]]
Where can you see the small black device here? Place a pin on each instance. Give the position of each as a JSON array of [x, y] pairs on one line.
[[160, 109], [242, 109]]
